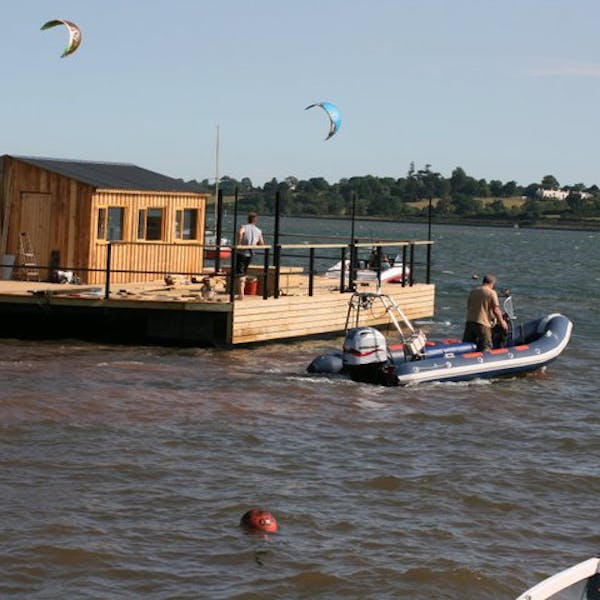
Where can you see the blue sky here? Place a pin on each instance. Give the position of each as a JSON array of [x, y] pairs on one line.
[[506, 90]]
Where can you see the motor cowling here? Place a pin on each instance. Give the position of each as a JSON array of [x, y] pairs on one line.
[[364, 346], [365, 357]]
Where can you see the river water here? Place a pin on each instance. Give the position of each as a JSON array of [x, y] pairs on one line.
[[124, 470]]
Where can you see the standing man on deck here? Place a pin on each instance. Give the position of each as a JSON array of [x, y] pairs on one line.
[[483, 308], [248, 235]]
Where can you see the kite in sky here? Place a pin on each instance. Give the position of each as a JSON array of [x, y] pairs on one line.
[[335, 118], [74, 34]]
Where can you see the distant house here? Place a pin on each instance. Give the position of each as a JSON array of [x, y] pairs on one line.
[[559, 194], [70, 210]]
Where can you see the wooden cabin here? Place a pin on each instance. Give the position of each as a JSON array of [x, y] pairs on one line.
[[62, 214]]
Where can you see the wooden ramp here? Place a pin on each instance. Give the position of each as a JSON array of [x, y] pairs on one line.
[[261, 320]]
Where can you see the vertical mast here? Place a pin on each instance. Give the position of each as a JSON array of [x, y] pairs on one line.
[[216, 182]]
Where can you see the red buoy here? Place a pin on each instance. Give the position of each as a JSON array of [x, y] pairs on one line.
[[259, 520]]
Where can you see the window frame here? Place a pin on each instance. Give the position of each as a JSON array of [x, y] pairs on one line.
[[181, 217], [105, 225], [144, 214]]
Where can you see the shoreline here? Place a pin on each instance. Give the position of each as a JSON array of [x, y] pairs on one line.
[[506, 224]]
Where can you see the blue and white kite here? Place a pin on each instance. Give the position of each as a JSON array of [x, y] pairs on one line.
[[333, 112]]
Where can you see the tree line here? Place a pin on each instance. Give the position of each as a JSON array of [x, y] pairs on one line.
[[414, 195]]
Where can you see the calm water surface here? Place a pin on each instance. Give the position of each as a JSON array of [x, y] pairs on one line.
[[124, 470]]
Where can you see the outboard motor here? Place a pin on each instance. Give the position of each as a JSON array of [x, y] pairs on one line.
[[365, 357]]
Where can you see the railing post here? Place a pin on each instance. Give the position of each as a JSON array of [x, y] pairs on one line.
[[404, 266], [107, 271], [232, 276], [277, 261], [412, 263], [352, 275], [379, 254], [428, 277], [266, 275], [343, 271], [311, 270], [219, 231]]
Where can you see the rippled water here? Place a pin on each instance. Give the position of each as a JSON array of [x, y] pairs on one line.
[[124, 470]]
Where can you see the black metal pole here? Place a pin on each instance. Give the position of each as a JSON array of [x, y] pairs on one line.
[[219, 230], [235, 209], [428, 276], [234, 242], [107, 278], [311, 271], [379, 261], [353, 252], [429, 221], [266, 275], [353, 215], [412, 263], [276, 245], [343, 271]]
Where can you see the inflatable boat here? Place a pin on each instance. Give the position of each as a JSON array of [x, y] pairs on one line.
[[579, 582], [367, 356]]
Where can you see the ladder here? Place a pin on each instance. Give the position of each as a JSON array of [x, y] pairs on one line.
[[26, 268]]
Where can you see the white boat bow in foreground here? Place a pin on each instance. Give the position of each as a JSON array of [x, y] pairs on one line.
[[579, 582]]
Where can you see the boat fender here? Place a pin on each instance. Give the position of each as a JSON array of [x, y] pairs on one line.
[[327, 363]]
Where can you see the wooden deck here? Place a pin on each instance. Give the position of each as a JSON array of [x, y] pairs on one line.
[[177, 315]]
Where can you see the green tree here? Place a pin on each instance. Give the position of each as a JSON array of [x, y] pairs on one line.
[[510, 189], [549, 182]]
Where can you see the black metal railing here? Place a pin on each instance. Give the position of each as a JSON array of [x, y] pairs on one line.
[[310, 260]]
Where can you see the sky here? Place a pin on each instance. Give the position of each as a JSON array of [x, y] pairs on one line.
[[505, 90]]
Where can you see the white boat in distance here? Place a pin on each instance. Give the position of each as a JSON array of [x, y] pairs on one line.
[[393, 271]]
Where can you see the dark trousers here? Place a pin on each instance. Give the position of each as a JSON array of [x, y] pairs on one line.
[[478, 334]]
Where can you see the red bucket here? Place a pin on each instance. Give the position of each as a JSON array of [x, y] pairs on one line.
[[251, 287]]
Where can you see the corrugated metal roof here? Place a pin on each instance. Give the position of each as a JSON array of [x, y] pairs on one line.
[[120, 176]]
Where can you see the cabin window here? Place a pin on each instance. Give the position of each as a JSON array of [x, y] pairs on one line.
[[110, 223], [101, 224], [150, 224], [186, 221]]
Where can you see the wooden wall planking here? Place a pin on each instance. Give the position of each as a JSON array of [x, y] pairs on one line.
[[68, 204], [71, 221], [298, 316], [168, 255]]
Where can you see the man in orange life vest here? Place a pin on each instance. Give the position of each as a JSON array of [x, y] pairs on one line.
[[483, 307]]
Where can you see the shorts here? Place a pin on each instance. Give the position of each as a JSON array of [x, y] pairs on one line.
[[242, 262]]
